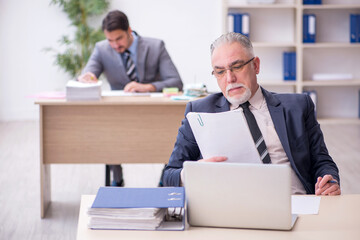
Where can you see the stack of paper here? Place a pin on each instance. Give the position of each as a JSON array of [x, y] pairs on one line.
[[78, 91], [126, 218], [135, 208]]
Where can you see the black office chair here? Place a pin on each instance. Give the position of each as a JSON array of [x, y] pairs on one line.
[[107, 175]]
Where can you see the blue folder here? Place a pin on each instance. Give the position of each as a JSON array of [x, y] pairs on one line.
[[293, 66], [245, 24], [358, 27], [286, 65], [241, 23], [307, 2], [116, 197], [309, 28], [238, 23], [354, 28], [289, 61], [231, 19]]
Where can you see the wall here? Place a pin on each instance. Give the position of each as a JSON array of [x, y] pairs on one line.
[[26, 27]]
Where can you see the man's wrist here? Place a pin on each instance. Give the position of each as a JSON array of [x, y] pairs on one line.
[[150, 88]]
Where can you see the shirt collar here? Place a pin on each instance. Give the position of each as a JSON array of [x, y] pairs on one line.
[[257, 100], [133, 46]]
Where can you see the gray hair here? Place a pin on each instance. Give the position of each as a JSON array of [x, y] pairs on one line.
[[232, 37]]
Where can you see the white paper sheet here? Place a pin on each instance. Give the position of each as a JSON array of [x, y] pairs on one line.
[[305, 204], [129, 94], [77, 84], [224, 134]]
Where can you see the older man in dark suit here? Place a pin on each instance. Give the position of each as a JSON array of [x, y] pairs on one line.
[[288, 132]]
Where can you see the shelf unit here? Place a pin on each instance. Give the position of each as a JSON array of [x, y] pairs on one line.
[[277, 27]]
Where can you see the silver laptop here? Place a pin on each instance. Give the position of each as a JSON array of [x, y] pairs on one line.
[[238, 195]]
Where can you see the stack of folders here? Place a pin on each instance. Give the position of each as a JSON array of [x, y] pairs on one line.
[[307, 2], [309, 28], [354, 28], [289, 60], [138, 209], [79, 91], [239, 23]]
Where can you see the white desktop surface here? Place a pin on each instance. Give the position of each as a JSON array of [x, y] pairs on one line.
[[338, 218]]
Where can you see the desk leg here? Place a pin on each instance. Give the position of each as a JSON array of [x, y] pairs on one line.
[[45, 185], [45, 180]]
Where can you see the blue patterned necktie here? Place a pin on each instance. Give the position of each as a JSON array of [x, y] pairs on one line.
[[256, 133], [130, 66]]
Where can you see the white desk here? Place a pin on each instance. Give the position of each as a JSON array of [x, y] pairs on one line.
[[338, 219]]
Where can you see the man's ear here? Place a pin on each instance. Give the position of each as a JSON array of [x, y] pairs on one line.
[[129, 30], [257, 65]]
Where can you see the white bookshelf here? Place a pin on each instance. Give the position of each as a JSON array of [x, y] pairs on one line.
[[277, 27]]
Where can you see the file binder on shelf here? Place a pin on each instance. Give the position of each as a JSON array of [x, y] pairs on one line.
[[239, 23], [293, 66], [138, 209], [358, 28], [307, 2], [231, 22], [309, 28], [286, 65], [354, 28], [289, 63]]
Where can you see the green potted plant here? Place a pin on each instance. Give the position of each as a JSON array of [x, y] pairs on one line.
[[78, 48]]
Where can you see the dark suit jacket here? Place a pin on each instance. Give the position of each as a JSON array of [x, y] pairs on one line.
[[295, 123], [153, 65]]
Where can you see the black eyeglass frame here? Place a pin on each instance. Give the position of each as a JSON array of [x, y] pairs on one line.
[[238, 68]]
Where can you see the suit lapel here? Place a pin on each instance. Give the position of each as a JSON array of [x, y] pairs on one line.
[[116, 58], [278, 118], [222, 105], [141, 58]]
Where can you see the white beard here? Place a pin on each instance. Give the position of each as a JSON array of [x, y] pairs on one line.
[[238, 99]]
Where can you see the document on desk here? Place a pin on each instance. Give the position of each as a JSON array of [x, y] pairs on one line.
[[224, 134], [121, 93], [79, 91], [305, 204]]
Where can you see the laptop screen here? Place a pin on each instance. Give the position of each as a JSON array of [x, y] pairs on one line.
[[238, 195]]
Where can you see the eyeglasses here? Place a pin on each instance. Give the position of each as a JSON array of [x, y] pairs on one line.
[[237, 67]]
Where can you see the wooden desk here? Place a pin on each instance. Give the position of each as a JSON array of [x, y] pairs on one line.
[[111, 131], [338, 219]]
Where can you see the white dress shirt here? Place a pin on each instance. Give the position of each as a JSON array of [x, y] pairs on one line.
[[276, 151]]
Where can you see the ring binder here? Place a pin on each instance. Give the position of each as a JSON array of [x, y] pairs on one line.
[[155, 208]]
